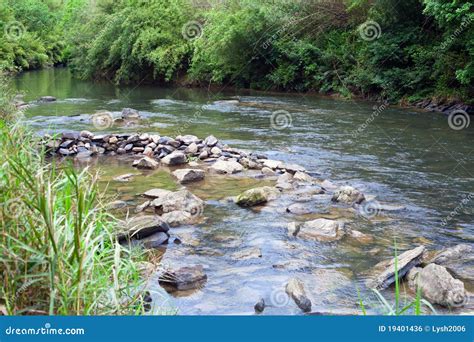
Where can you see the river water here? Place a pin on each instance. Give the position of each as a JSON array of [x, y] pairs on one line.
[[401, 156]]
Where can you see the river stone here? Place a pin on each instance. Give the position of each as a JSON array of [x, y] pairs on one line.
[[348, 194], [321, 230], [248, 253], [177, 217], [301, 209], [359, 236], [189, 175], [188, 139], [210, 141], [259, 306], [295, 289], [156, 193], [139, 227], [284, 181], [293, 168], [86, 135], [130, 113], [182, 200], [227, 166], [83, 155], [147, 163], [257, 196], [142, 207], [155, 240], [203, 155], [174, 158], [184, 278], [272, 164], [116, 205], [437, 285], [302, 177], [406, 261], [192, 148], [458, 260], [267, 171]]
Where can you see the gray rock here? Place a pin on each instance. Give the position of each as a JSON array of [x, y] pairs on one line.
[[285, 181], [86, 134], [174, 158], [182, 200], [203, 155], [302, 177], [156, 193], [227, 166], [406, 261], [458, 260], [189, 175], [210, 141], [139, 227], [295, 289], [177, 217], [147, 163], [184, 278], [216, 151], [267, 171], [192, 148], [293, 168], [273, 164], [155, 240], [438, 286], [84, 155], [348, 194], [188, 139], [260, 306], [248, 253], [65, 152], [257, 196], [301, 209], [359, 236], [47, 99], [142, 207], [130, 113], [320, 229]]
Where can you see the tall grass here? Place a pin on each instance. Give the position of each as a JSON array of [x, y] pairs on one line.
[[58, 252]]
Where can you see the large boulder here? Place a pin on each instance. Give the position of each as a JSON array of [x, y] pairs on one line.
[[405, 262], [184, 278], [458, 260], [227, 166], [140, 227], [257, 196], [189, 175], [181, 200], [174, 158], [295, 289], [348, 194], [437, 285], [320, 229]]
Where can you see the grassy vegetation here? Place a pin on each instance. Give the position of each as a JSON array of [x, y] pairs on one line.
[[59, 254]]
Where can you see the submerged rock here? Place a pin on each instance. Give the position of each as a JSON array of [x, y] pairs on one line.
[[227, 166], [295, 289], [189, 175], [458, 260], [405, 262], [257, 196], [155, 240], [246, 254], [130, 113], [140, 227], [348, 194], [184, 278], [359, 236], [437, 285]]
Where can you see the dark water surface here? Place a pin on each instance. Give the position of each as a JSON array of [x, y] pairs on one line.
[[402, 157]]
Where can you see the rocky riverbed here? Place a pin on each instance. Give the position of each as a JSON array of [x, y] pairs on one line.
[[290, 193]]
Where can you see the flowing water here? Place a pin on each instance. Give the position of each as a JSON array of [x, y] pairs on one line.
[[400, 156]]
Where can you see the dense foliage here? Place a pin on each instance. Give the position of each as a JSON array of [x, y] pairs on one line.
[[398, 50]]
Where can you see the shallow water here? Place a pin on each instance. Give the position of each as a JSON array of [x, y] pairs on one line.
[[402, 157]]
